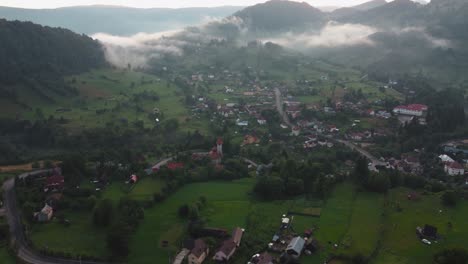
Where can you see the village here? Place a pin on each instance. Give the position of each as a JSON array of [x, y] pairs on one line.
[[259, 114]]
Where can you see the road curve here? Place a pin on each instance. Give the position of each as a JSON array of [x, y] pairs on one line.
[[24, 252]]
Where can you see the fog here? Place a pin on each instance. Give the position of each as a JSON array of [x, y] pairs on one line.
[[139, 49], [332, 35]]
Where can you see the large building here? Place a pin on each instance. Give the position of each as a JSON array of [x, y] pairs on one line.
[[454, 168], [198, 253], [411, 110]]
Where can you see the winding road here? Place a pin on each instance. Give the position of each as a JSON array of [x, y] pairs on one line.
[[24, 252]]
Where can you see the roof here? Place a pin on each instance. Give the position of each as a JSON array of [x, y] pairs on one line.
[[455, 165], [55, 180], [265, 258], [296, 244], [430, 231], [175, 165], [413, 107], [199, 248], [227, 246]]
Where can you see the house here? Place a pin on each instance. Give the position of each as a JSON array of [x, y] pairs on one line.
[[296, 131], [133, 179], [55, 181], [446, 158], [175, 165], [411, 110], [237, 235], [454, 168], [45, 214], [225, 252], [198, 253], [295, 246], [249, 139], [242, 123], [263, 258], [261, 121]]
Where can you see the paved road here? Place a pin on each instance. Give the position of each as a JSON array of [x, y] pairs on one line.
[[279, 107], [375, 161], [24, 251]]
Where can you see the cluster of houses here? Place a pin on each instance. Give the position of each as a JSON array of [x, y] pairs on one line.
[[54, 184], [197, 251]]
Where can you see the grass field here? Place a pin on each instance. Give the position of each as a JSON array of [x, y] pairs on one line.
[[401, 245], [358, 222], [112, 93], [5, 258], [163, 223], [80, 237]]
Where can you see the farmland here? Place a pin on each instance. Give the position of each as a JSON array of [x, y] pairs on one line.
[[107, 96]]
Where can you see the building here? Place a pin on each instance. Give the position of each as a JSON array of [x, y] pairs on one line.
[[263, 258], [454, 168], [219, 146], [445, 158], [45, 214], [296, 131], [55, 181], [225, 252], [198, 253], [261, 121], [295, 246], [411, 110]]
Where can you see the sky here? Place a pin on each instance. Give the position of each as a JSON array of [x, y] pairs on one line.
[[161, 3]]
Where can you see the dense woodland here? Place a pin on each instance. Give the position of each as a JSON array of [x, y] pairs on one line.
[[36, 58]]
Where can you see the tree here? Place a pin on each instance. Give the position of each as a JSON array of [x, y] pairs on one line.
[[184, 210], [452, 256], [449, 198], [102, 214], [361, 171], [118, 239]]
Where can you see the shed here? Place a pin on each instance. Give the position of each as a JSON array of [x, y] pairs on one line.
[[295, 246]]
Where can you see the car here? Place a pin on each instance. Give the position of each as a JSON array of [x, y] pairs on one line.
[[425, 241]]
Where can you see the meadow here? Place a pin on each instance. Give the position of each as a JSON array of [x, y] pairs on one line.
[[112, 96], [357, 222]]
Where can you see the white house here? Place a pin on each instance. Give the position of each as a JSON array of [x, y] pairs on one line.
[[411, 110], [454, 168], [445, 158]]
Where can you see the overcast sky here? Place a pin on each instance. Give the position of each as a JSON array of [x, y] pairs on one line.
[[161, 3]]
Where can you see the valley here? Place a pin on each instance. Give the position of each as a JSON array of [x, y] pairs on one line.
[[277, 134]]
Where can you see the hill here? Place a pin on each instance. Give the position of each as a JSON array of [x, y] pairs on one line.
[[279, 15], [35, 58], [116, 20]]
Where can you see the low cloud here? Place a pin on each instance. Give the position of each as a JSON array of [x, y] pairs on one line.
[[331, 35], [422, 33], [142, 47]]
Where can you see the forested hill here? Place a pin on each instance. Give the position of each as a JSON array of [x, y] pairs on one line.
[[30, 51], [278, 15]]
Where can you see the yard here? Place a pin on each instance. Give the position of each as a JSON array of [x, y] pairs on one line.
[[401, 245]]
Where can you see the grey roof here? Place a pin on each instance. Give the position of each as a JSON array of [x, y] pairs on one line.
[[296, 245]]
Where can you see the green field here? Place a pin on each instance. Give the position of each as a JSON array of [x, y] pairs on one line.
[[80, 237], [5, 258], [112, 93], [400, 243], [358, 222], [163, 223]]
